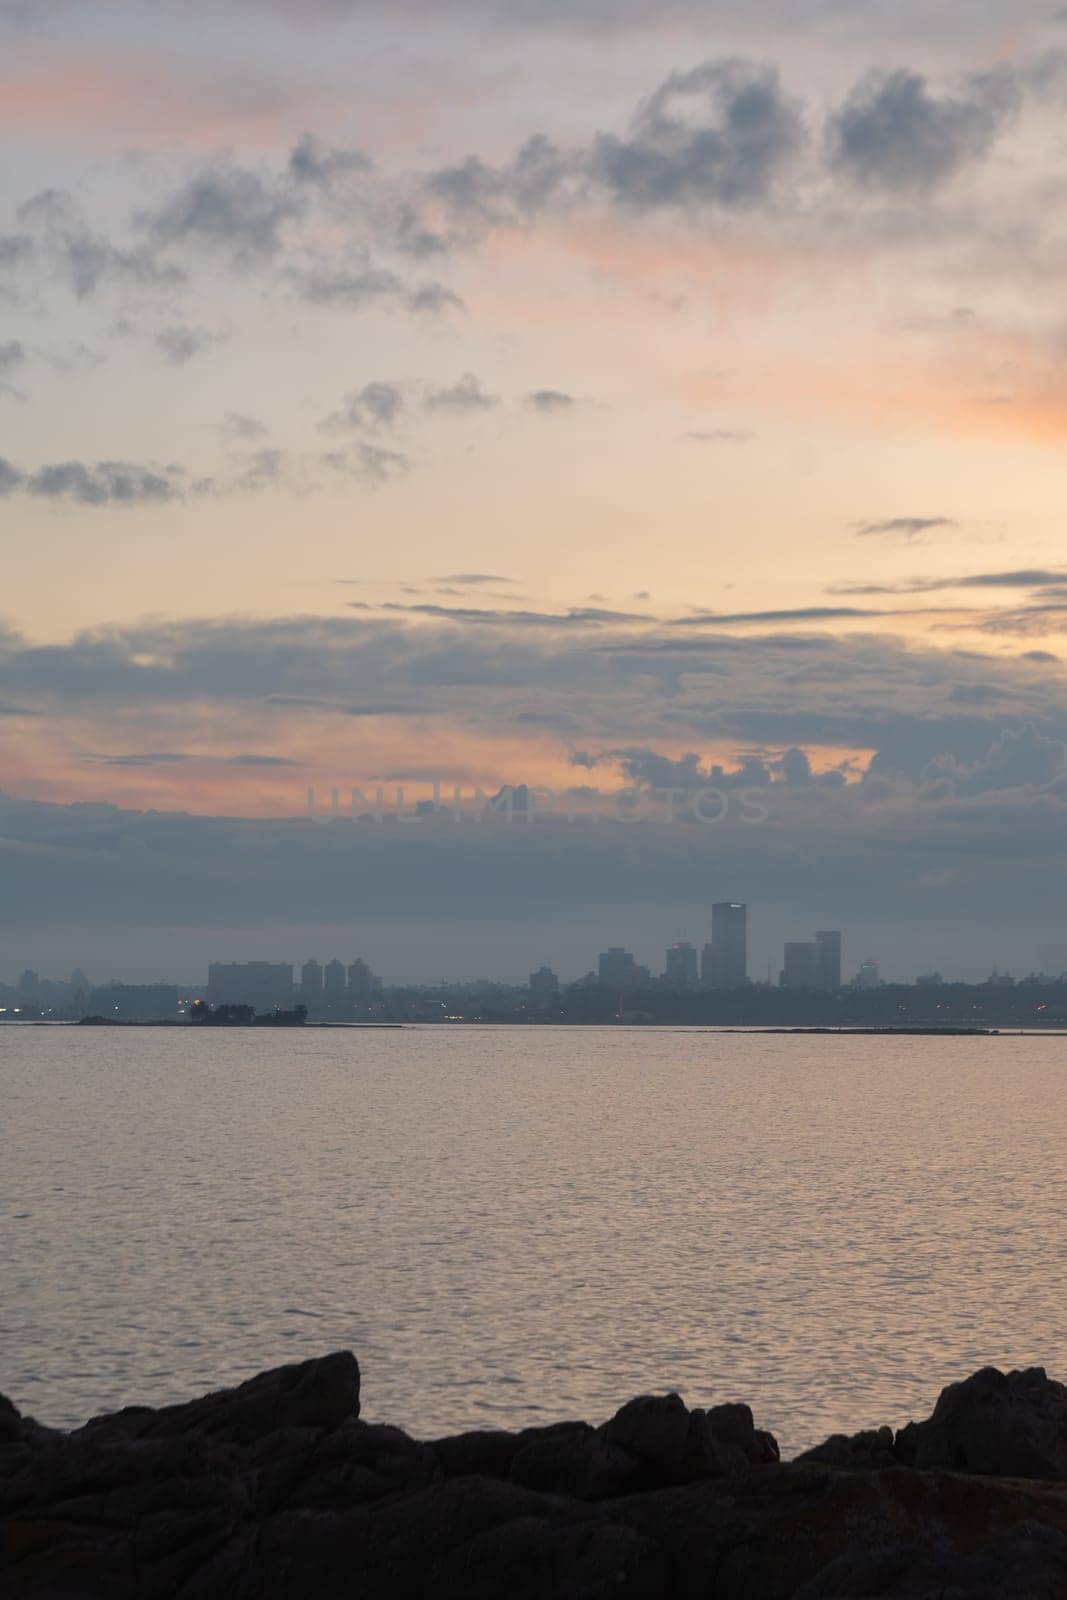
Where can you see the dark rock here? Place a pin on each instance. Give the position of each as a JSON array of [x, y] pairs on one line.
[[871, 1451], [1006, 1426], [276, 1490], [321, 1393], [487, 1454]]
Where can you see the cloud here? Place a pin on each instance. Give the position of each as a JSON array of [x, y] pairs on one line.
[[518, 191], [89, 260], [550, 402], [12, 356], [151, 758], [179, 344], [376, 405], [120, 483], [312, 162], [461, 398], [798, 614], [721, 436], [720, 134], [904, 527], [227, 208], [474, 579], [238, 425], [1019, 758], [351, 288], [369, 463], [1018, 578], [893, 133]]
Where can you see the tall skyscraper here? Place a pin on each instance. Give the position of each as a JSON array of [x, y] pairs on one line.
[[681, 970], [333, 985], [828, 961], [799, 968], [729, 946], [311, 984], [617, 969], [361, 980]]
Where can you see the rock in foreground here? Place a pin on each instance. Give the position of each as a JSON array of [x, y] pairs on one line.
[[276, 1490]]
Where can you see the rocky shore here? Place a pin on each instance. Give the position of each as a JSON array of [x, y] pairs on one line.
[[276, 1490]]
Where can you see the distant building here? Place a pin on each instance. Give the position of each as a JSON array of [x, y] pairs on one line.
[[828, 961], [867, 976], [333, 985], [726, 958], [681, 969], [311, 984], [929, 980], [544, 985], [799, 968], [29, 989], [135, 1002], [362, 981], [260, 984], [617, 969]]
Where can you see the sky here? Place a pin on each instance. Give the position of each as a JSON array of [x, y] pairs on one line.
[[610, 394]]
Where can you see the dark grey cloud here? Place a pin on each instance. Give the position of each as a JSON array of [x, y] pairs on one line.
[[240, 426], [719, 134], [894, 133], [312, 162], [550, 402], [262, 761], [12, 357], [377, 404], [582, 617], [351, 288], [474, 580], [232, 209], [1018, 758], [517, 191], [465, 396], [149, 758], [15, 250], [369, 463], [799, 614], [120, 483], [88, 260], [179, 344], [903, 527], [1017, 578]]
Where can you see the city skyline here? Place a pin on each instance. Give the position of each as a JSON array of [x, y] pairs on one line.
[[605, 398]]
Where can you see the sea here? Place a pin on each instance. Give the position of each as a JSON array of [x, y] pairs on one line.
[[511, 1226]]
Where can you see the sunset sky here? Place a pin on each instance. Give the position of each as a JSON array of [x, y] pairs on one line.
[[508, 391]]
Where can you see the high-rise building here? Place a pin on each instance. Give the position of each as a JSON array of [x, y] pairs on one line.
[[544, 985], [727, 967], [867, 976], [828, 961], [361, 980], [617, 969], [681, 969], [311, 984], [260, 984], [333, 985], [799, 969]]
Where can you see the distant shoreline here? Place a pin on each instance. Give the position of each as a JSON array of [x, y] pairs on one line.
[[844, 1031]]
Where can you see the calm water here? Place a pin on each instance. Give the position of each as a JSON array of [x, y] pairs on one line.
[[517, 1225]]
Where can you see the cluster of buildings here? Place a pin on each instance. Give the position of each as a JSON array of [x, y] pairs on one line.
[[329, 992], [722, 963]]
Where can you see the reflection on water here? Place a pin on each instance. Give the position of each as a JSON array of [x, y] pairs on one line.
[[521, 1224]]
